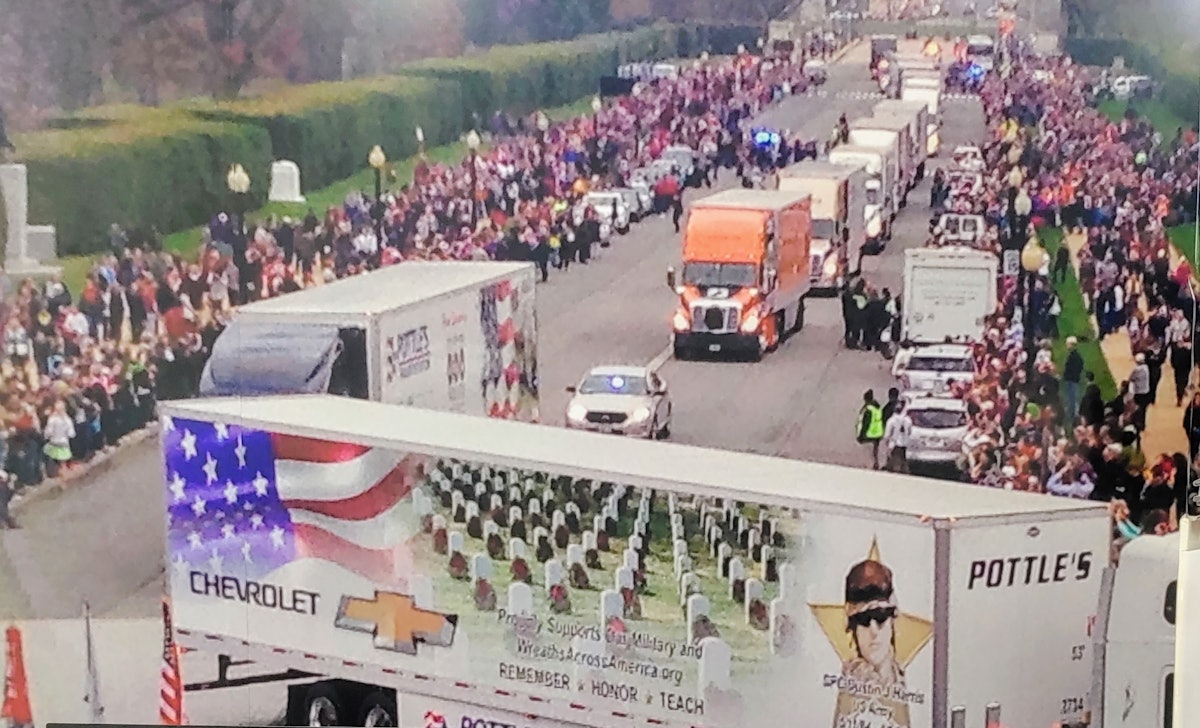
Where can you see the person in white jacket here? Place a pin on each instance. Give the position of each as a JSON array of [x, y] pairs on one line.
[[896, 435]]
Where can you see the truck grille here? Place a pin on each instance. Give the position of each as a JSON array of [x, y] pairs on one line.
[[607, 418], [714, 319]]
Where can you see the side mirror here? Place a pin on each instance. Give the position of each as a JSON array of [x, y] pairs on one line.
[[571, 389], [671, 278]]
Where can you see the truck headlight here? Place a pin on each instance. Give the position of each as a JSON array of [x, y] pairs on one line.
[[576, 413], [874, 226], [639, 415], [831, 266], [934, 143], [680, 321], [751, 322]]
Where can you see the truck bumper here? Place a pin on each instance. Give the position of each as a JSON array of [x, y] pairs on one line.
[[626, 429], [697, 343]]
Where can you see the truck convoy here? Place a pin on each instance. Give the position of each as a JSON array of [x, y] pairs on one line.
[[921, 128], [516, 572], [881, 204], [948, 292], [890, 138], [458, 336], [839, 200], [745, 272]]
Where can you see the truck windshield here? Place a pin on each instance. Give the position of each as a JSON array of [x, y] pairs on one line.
[[939, 364], [936, 419], [872, 196], [613, 384], [980, 49], [741, 275], [824, 230]]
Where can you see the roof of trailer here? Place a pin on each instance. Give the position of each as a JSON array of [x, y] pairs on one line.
[[715, 473], [751, 200], [386, 289]]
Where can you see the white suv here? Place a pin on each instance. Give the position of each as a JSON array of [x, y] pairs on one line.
[[931, 369], [939, 426]]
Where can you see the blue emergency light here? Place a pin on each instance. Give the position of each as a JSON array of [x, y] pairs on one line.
[[616, 384], [766, 138]]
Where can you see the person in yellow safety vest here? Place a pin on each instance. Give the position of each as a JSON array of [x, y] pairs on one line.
[[870, 425]]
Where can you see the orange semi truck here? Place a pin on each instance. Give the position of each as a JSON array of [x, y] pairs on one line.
[[745, 273]]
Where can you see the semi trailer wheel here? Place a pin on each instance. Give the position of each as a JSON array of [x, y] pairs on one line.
[[323, 706], [378, 710]]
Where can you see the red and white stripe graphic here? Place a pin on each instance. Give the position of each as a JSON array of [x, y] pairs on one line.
[[349, 505], [170, 690]]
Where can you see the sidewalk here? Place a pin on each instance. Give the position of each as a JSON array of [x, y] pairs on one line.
[[1164, 432]]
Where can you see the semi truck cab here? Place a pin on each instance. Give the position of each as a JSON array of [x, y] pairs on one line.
[[744, 275]]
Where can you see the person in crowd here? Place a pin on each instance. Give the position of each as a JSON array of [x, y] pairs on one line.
[[896, 436], [870, 426]]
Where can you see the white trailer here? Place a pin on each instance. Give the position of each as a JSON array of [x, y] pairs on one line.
[[874, 133], [948, 292], [930, 94], [881, 204], [860, 596], [922, 127], [839, 203], [458, 336]]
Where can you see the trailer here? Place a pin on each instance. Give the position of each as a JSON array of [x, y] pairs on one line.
[[881, 204], [608, 582], [459, 336], [948, 293], [884, 135], [839, 201]]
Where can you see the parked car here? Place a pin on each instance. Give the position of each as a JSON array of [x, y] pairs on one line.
[[633, 202], [622, 400], [816, 71], [610, 205]]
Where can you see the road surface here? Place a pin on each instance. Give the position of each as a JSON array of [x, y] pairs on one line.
[[102, 540]]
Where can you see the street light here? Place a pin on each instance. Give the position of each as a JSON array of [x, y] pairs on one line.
[[420, 140], [741, 49], [473, 142], [704, 56], [377, 159], [761, 43], [238, 182], [1033, 256]]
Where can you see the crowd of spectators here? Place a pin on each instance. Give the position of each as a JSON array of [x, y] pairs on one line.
[[1056, 161], [82, 370]]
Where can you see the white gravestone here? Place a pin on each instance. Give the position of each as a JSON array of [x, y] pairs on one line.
[[520, 599], [624, 578], [574, 554], [682, 564], [285, 182], [754, 593], [697, 607], [716, 661], [439, 522], [689, 584], [589, 540], [496, 502], [516, 548], [632, 559], [490, 529], [612, 605], [680, 547], [554, 574], [481, 567], [514, 515], [28, 247], [455, 542]]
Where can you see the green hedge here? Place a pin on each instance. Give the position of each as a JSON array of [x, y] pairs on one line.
[[1180, 92], [166, 167]]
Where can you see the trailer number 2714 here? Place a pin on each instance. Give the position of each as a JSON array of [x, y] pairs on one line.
[[1072, 706]]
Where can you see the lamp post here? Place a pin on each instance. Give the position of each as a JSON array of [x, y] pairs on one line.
[[420, 140], [238, 182], [473, 142], [377, 159], [761, 43], [1032, 258]]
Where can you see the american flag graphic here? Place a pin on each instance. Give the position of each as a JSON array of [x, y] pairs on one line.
[[246, 502], [170, 684]]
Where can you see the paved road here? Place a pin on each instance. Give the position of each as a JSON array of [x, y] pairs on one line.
[[102, 540]]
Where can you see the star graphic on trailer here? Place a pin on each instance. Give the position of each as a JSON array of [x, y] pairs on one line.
[[178, 488], [912, 633], [188, 443], [240, 452], [222, 431], [210, 468]]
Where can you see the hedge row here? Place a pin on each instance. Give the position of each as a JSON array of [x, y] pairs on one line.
[[1180, 92], [166, 167]]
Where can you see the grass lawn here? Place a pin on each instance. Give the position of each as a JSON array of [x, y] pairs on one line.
[[1184, 240], [75, 268], [1157, 113], [1075, 321]]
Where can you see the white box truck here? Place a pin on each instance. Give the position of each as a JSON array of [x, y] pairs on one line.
[[874, 133], [458, 336], [839, 203], [922, 127], [948, 292], [881, 204], [928, 93], [609, 582]]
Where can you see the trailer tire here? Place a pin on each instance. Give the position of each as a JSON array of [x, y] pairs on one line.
[[682, 353], [323, 706], [378, 710], [799, 325]]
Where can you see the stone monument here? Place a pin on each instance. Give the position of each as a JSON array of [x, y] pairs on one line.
[[285, 182], [28, 247]]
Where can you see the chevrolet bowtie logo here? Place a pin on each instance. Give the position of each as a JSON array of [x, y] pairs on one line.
[[395, 622]]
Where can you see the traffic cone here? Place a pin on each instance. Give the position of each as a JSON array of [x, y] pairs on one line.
[[16, 709]]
